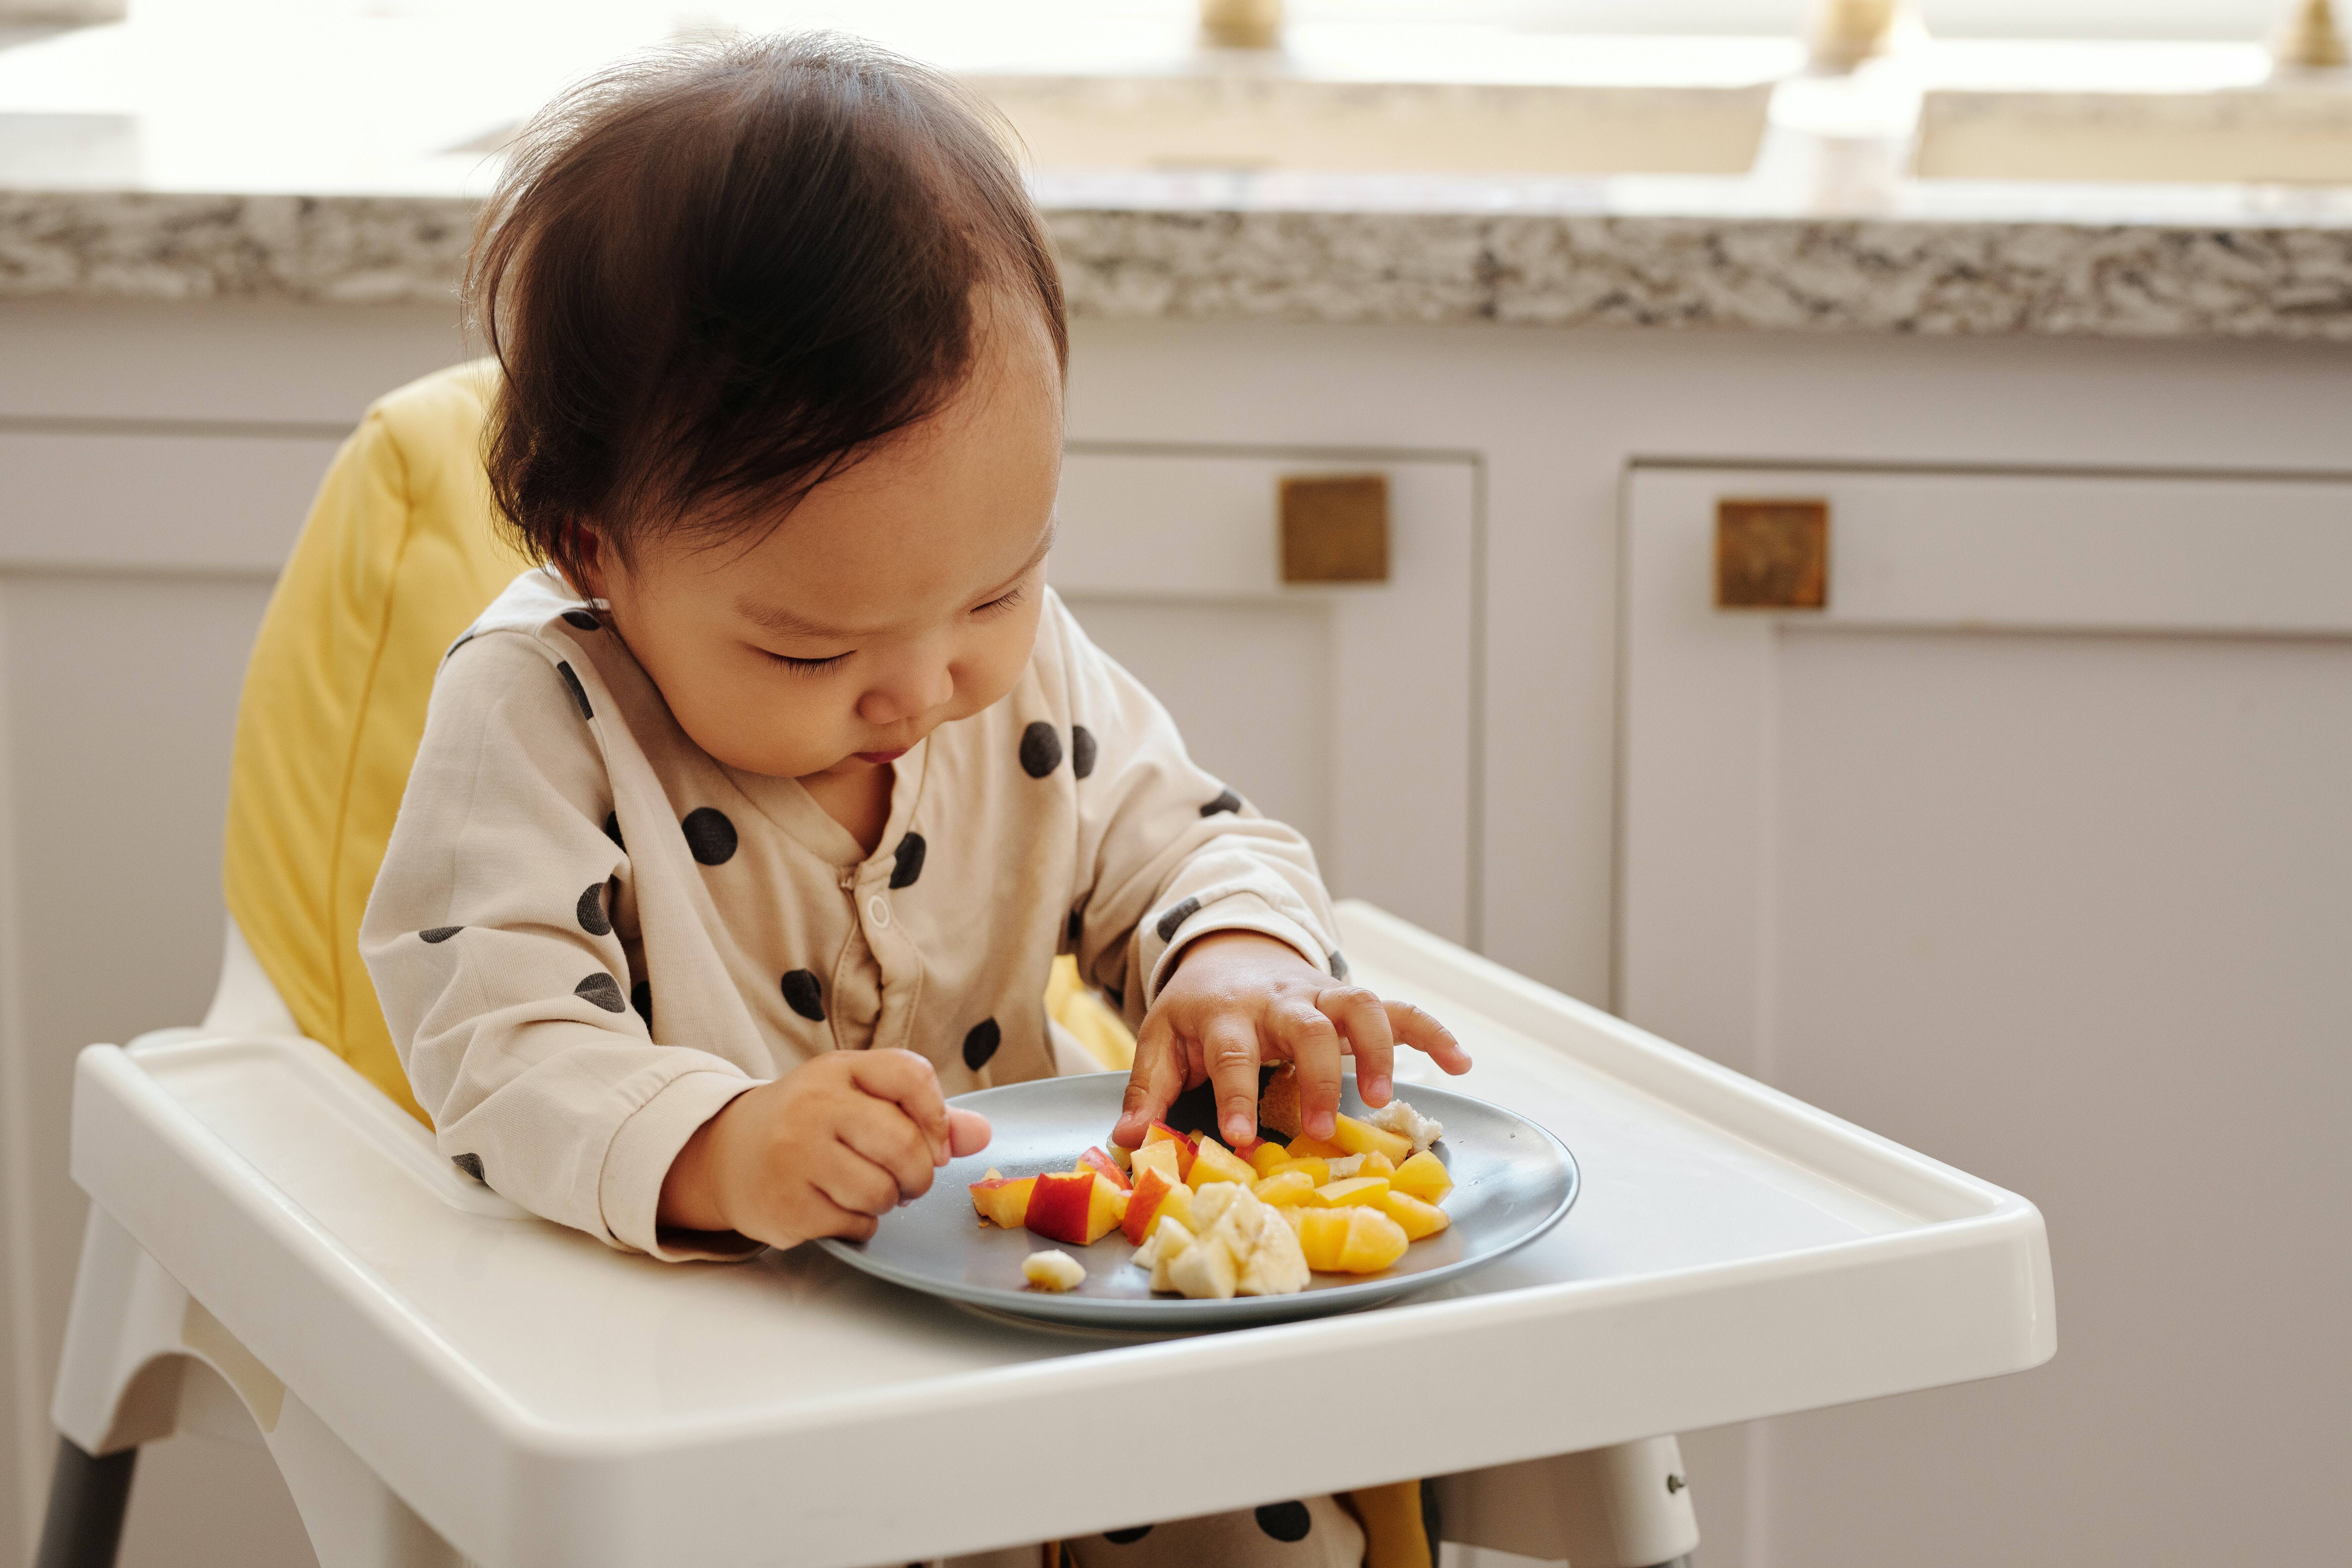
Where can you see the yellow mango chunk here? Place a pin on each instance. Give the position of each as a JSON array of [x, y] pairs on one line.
[[1286, 1190], [1323, 1237], [1355, 1190], [1316, 1169], [1424, 1176], [1356, 1137], [1213, 1161], [1267, 1157], [1418, 1218], [1374, 1241], [1303, 1145], [1377, 1164]]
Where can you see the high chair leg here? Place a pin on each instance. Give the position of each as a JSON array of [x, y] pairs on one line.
[[87, 1496], [1626, 1506]]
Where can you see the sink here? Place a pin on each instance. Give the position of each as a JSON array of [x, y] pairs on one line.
[[2185, 114]]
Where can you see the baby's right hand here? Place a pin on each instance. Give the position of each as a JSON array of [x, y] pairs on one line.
[[820, 1150]]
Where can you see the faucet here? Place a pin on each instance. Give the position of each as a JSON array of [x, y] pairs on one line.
[[2308, 39], [1241, 24]]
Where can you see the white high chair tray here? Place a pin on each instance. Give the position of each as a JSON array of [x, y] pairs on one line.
[[540, 1399]]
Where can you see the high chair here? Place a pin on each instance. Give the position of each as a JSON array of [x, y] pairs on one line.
[[443, 1379]]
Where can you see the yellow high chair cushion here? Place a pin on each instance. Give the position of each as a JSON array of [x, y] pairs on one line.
[[400, 555]]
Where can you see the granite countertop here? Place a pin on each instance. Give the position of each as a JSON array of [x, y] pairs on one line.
[[1823, 235]]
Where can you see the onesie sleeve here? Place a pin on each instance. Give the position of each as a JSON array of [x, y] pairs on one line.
[[1167, 851], [489, 936]]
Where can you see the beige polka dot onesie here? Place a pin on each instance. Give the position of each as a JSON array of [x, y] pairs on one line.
[[589, 934]]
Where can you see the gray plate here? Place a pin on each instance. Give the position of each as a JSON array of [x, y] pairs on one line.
[[1512, 1182]]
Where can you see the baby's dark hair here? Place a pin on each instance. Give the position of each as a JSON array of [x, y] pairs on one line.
[[714, 277]]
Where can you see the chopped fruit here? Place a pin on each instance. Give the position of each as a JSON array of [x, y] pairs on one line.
[[1323, 1237], [1096, 1160], [1075, 1206], [1356, 1137], [1053, 1271], [1302, 1146], [1168, 1243], [1345, 1166], [1277, 1265], [1402, 1120], [1315, 1168], [1160, 1157], [1285, 1190], [1210, 1204], [1215, 1163], [1277, 1103], [1177, 1204], [1376, 1164], [1206, 1269], [1374, 1241], [1424, 1176], [1002, 1202], [1162, 1133], [1266, 1156], [1143, 1205], [1417, 1218], [1355, 1190], [1123, 1158]]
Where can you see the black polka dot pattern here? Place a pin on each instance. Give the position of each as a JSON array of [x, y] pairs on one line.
[[804, 995], [1176, 916], [603, 990], [709, 834], [907, 863], [1285, 1521], [1082, 751], [1040, 750], [982, 1043], [1127, 1537], [613, 830], [439, 933], [592, 918], [584, 620], [472, 1166], [641, 997], [1338, 965], [1226, 801], [578, 692]]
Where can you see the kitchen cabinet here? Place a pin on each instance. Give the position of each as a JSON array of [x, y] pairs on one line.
[[2029, 850]]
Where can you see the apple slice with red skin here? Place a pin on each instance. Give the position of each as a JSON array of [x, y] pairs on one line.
[[1161, 1132], [1074, 1206], [1102, 1164], [1143, 1208]]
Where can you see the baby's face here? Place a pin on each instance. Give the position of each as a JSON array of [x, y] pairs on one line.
[[899, 596]]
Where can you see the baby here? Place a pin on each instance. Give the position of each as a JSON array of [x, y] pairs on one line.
[[746, 828]]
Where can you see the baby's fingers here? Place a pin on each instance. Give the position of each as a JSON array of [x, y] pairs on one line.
[[908, 1082], [1314, 1048], [1361, 1017], [1229, 1050], [968, 1132], [1155, 1080], [1424, 1034], [886, 1138]]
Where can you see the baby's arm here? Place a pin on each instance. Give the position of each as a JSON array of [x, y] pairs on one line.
[[1209, 923]]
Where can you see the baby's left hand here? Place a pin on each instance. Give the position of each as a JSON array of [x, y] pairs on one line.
[[1238, 999]]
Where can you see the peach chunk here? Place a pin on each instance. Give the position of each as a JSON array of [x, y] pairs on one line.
[[1377, 1164], [1356, 1137], [1323, 1237], [1001, 1200], [1161, 1132], [1287, 1189], [1102, 1164], [1074, 1206], [1354, 1191], [1374, 1241], [1424, 1176], [1213, 1161], [1315, 1168], [1418, 1218], [1303, 1145], [1143, 1205]]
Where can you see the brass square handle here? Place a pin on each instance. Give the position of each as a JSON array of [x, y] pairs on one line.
[[1772, 554], [1335, 528]]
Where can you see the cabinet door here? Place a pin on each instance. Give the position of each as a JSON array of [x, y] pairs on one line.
[[2031, 850], [1346, 710]]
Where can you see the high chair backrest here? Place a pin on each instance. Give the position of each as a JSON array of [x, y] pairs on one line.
[[401, 552], [399, 556]]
